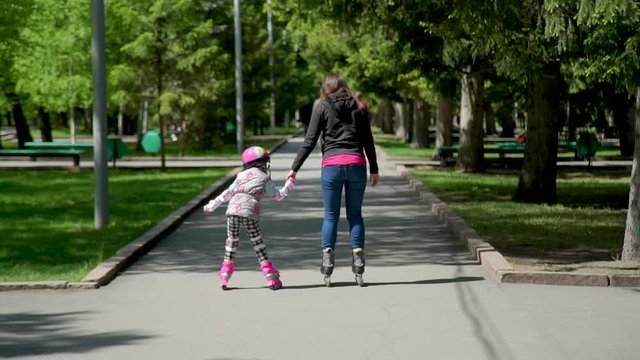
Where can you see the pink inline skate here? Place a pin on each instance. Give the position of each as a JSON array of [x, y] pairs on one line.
[[272, 275], [225, 273]]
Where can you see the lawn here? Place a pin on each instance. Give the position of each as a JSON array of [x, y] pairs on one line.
[[587, 224], [47, 216]]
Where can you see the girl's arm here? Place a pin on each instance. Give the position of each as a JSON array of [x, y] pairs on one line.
[[279, 194], [222, 198]]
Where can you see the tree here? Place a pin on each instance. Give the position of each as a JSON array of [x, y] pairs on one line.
[[631, 244], [535, 56], [13, 19], [175, 40], [610, 38], [52, 65]]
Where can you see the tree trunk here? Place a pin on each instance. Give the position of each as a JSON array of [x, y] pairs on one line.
[[183, 134], [159, 88], [22, 128], [421, 117], [387, 117], [624, 120], [631, 247], [44, 120], [408, 123], [120, 132], [490, 119], [444, 123], [506, 119], [537, 183], [88, 120], [287, 118], [72, 124], [471, 154], [399, 120]]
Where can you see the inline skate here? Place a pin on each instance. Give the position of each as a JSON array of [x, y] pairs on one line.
[[272, 275], [357, 265], [326, 268], [225, 273]]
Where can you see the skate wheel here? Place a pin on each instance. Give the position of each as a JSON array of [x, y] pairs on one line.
[[359, 280], [327, 281]]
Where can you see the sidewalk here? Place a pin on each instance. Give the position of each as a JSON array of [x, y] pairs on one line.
[[427, 297]]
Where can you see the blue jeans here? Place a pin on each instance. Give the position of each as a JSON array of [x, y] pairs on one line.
[[353, 178]]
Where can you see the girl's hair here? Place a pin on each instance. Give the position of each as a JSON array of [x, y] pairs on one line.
[[332, 84], [262, 164]]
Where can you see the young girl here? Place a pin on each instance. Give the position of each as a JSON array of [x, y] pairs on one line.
[[244, 195]]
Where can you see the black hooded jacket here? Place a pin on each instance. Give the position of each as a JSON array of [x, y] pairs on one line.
[[344, 127]]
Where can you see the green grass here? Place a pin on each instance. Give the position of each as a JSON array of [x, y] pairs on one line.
[[397, 149], [47, 217], [586, 225]]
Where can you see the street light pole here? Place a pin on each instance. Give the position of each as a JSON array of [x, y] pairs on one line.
[[99, 114], [238, 53], [272, 102]]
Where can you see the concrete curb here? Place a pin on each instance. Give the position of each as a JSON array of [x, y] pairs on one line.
[[106, 271], [492, 261]]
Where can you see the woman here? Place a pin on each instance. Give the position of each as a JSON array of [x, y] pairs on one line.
[[346, 138]]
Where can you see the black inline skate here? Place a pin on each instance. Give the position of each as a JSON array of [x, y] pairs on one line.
[[357, 265], [326, 268]]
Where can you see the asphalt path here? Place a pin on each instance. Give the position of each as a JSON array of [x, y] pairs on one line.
[[426, 297]]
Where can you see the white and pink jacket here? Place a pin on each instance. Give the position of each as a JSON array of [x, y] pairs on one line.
[[245, 193]]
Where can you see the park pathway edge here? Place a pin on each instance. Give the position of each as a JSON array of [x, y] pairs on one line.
[[491, 259]]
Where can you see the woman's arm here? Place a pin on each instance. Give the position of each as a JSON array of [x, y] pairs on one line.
[[311, 138]]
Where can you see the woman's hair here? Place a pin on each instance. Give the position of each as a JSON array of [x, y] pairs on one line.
[[332, 84]]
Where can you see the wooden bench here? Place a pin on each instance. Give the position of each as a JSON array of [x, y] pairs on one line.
[[448, 152], [58, 145], [35, 153], [116, 148]]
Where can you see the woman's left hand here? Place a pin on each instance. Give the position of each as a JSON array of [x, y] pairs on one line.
[[375, 178]]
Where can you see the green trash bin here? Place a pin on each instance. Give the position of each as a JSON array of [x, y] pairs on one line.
[[587, 145], [116, 148], [151, 142]]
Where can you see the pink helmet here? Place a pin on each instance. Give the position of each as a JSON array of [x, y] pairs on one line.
[[254, 153]]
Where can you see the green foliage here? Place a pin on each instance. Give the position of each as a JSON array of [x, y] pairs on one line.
[[612, 42], [52, 66]]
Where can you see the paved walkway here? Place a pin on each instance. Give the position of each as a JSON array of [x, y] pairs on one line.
[[426, 298]]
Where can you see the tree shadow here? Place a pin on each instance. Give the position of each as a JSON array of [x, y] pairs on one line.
[[399, 230], [30, 334]]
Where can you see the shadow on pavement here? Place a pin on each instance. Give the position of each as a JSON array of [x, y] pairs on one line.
[[29, 334], [399, 231]]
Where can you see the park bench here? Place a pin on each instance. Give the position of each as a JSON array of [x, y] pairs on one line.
[[116, 148], [35, 153], [448, 152]]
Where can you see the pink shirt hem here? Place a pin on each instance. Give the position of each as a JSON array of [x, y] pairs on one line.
[[345, 159]]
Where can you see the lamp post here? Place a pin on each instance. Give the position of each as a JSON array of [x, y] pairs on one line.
[[272, 100], [99, 114], [238, 62]]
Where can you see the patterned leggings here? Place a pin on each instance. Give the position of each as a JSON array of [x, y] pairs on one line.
[[234, 223]]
